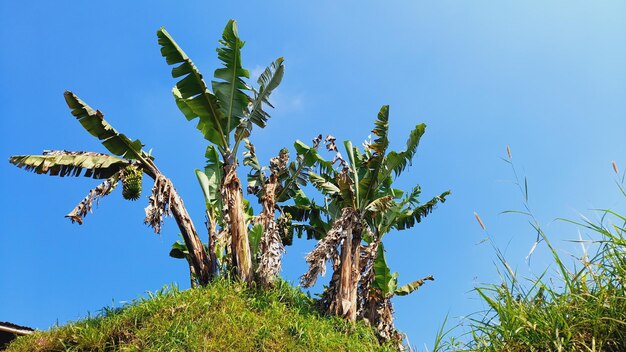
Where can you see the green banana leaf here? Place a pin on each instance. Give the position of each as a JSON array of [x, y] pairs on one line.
[[229, 87], [179, 250], [255, 234], [398, 161], [370, 182], [93, 121], [256, 176], [191, 93], [214, 170], [413, 215], [268, 81], [384, 280], [326, 187], [411, 287]]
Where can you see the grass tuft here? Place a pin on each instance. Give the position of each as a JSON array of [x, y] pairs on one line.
[[581, 307]]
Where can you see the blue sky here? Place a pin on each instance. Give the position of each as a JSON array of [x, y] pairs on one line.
[[546, 78]]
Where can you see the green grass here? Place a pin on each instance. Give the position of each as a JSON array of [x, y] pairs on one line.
[[580, 306], [224, 316], [583, 310]]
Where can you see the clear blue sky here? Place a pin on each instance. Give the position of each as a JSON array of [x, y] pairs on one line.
[[546, 78]]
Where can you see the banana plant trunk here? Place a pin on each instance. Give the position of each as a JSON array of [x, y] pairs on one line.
[[232, 197], [378, 312], [192, 274], [271, 246], [199, 258], [164, 200], [345, 301], [212, 227]]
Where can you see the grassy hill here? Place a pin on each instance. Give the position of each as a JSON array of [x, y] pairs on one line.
[[221, 317]]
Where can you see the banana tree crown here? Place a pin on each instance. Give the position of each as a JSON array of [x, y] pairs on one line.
[[233, 105]]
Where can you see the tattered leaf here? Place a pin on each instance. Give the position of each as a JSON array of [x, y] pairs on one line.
[[256, 176], [268, 81], [322, 185], [414, 215], [86, 205], [398, 161], [66, 163], [409, 288], [380, 205]]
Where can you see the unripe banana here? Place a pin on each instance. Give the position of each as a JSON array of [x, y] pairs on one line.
[[131, 182]]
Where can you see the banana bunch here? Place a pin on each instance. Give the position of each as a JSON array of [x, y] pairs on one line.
[[131, 182]]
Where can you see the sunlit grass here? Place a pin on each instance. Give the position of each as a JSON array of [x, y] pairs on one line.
[[584, 310], [221, 317], [580, 307]]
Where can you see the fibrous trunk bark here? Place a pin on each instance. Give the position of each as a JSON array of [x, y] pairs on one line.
[[165, 201], [368, 257], [340, 298], [271, 246], [375, 308], [378, 312], [192, 274], [198, 255], [212, 228], [233, 200], [345, 300]]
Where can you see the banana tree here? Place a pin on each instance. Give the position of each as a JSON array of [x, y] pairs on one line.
[[128, 163], [360, 196], [225, 117], [284, 183], [378, 284]]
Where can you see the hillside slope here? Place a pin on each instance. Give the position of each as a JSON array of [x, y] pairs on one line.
[[224, 316]]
